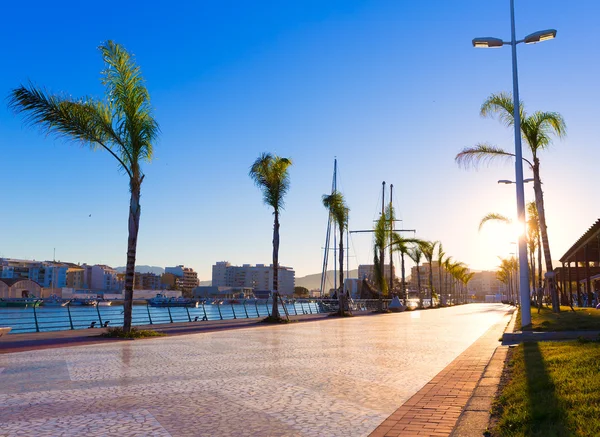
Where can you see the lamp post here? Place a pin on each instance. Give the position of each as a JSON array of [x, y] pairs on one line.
[[488, 42]]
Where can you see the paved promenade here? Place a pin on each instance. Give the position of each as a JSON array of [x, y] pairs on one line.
[[334, 377]]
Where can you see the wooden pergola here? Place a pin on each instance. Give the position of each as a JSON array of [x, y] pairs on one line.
[[576, 264]]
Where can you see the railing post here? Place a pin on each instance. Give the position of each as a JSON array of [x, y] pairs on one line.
[[98, 310], [204, 309], [219, 308], [256, 306], [246, 310], [188, 313], [309, 308], [169, 309], [37, 327], [70, 318], [148, 309], [267, 305], [295, 310], [233, 310]]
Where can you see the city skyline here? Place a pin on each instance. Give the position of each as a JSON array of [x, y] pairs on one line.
[[393, 90]]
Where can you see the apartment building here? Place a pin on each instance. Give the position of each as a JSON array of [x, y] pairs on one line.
[[186, 279], [368, 271], [48, 274], [101, 277], [258, 277], [147, 281]]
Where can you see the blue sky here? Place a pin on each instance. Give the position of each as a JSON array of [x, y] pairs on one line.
[[390, 88]]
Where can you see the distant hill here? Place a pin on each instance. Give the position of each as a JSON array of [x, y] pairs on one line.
[[313, 282], [144, 269]]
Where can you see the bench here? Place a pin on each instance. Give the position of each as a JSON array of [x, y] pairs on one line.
[[4, 330]]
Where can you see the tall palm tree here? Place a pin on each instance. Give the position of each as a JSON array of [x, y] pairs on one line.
[[416, 254], [336, 205], [270, 174], [428, 249], [122, 124], [380, 239], [536, 129], [401, 244]]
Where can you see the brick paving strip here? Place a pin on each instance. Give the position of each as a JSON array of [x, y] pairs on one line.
[[464, 390]]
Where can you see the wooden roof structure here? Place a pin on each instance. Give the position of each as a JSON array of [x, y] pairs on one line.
[[586, 248]]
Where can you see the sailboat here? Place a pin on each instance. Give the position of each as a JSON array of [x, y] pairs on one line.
[[330, 223]]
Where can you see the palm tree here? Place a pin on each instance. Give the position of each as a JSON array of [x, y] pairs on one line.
[[380, 239], [416, 255], [122, 125], [533, 230], [428, 249], [270, 174], [400, 244], [336, 205], [440, 259], [536, 129]]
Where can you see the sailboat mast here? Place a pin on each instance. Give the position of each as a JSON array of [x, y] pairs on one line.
[[328, 235], [382, 248], [334, 233], [391, 234]]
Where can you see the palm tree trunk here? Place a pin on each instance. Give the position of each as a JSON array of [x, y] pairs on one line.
[[341, 296], [539, 202], [431, 283], [275, 309], [419, 287], [540, 273], [134, 225], [404, 296], [441, 293]]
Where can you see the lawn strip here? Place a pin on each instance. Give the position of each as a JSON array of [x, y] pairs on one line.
[[549, 389]]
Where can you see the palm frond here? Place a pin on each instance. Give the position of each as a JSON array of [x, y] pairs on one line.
[[502, 106], [493, 216], [270, 173], [539, 128], [130, 102], [481, 154], [337, 207], [416, 254], [85, 120]]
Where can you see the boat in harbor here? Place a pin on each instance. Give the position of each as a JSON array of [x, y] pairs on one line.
[[160, 300], [84, 302], [103, 303], [54, 301], [20, 302]]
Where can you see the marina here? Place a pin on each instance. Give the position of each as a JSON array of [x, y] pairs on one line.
[[58, 318]]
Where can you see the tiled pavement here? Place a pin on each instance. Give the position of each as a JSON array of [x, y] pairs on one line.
[[325, 378], [467, 386]]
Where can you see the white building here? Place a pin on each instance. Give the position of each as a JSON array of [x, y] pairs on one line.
[[100, 277], [258, 277]]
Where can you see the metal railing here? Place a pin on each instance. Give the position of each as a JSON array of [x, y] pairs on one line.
[[43, 319]]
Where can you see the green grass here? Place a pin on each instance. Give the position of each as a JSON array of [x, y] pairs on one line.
[[117, 332], [553, 390], [583, 319]]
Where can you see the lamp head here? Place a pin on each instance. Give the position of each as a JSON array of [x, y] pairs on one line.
[[540, 36], [505, 181], [528, 180], [487, 42]]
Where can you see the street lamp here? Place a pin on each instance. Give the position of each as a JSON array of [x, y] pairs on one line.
[[488, 42], [507, 182]]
